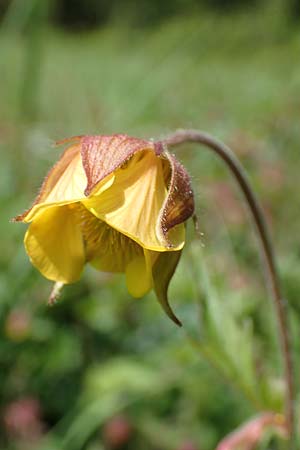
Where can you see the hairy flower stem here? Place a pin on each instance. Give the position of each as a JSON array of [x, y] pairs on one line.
[[182, 136]]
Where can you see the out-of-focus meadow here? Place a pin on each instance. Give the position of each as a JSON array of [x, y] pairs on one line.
[[101, 370]]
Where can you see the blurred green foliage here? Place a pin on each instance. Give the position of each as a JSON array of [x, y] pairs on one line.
[[67, 371], [88, 14]]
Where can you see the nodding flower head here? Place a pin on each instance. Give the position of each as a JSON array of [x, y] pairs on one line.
[[116, 202]]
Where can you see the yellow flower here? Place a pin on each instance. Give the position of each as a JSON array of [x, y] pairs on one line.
[[116, 202]]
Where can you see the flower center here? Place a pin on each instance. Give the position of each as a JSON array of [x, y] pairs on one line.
[[105, 247]]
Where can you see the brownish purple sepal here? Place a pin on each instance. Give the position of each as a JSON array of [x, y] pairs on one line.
[[162, 272], [179, 204], [102, 155]]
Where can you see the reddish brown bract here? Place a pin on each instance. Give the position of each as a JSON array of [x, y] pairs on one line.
[[102, 155]]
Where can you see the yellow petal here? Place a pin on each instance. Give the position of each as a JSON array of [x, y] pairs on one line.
[[65, 184], [54, 244], [59, 185], [70, 184], [139, 273], [67, 194], [133, 203], [138, 277]]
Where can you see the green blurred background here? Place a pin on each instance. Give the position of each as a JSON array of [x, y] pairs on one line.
[[101, 370]]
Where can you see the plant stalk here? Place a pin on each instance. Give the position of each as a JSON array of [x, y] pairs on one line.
[[183, 136]]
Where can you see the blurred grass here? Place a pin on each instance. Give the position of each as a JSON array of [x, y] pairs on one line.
[[234, 76]]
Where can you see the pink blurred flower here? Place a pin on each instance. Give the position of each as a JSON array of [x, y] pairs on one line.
[[22, 419], [188, 445], [18, 325], [250, 434], [117, 432]]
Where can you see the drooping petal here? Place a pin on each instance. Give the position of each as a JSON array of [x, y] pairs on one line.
[[162, 271], [103, 155], [65, 183], [54, 244], [179, 203], [69, 182], [132, 205], [39, 208], [138, 277]]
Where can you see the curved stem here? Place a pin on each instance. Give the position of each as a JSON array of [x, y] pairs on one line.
[[237, 170]]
